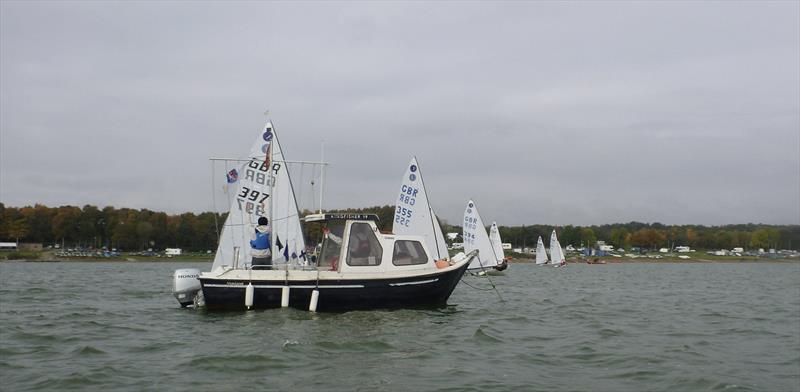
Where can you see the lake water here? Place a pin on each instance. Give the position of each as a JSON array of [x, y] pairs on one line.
[[620, 327]]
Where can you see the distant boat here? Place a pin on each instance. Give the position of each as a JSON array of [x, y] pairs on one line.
[[475, 238], [541, 253], [556, 253], [413, 214], [497, 245]]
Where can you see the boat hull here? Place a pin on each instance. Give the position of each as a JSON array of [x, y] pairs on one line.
[[428, 290]]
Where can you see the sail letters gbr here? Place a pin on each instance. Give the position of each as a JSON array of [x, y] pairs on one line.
[[408, 197]]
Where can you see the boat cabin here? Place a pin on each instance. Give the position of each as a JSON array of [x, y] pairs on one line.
[[352, 243]]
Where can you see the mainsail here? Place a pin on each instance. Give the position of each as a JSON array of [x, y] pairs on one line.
[[541, 253], [497, 243], [475, 237], [414, 215], [556, 253], [264, 190]]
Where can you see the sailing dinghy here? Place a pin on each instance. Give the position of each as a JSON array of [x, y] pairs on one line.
[[497, 245], [556, 252], [358, 267], [476, 239], [541, 253]]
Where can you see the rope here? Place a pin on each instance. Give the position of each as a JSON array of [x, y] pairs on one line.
[[476, 288], [487, 278]]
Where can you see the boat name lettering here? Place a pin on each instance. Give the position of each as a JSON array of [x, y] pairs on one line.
[[348, 216]]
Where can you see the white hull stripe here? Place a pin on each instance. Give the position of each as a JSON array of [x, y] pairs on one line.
[[271, 286], [410, 283]]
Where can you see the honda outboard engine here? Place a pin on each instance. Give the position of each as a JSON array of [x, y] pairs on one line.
[[185, 285]]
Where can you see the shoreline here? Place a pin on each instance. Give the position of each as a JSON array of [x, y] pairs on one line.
[[614, 260]]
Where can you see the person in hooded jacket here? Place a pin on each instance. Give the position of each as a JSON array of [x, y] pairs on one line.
[[261, 252]]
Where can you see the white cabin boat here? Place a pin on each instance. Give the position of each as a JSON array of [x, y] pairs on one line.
[[358, 267]]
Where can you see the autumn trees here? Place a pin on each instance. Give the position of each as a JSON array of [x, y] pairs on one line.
[[123, 228], [131, 229]]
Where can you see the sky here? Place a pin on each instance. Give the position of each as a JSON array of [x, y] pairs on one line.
[[559, 113]]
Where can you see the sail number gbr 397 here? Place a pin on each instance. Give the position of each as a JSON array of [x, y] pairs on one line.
[[254, 190]]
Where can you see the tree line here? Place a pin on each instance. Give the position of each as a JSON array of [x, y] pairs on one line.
[[132, 229], [656, 235], [124, 228]]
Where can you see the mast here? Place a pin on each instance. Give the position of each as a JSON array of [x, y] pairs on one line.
[[269, 157]]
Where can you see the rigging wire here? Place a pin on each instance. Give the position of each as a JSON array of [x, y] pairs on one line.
[[483, 269]]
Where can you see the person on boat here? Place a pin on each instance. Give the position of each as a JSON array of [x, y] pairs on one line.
[[261, 252], [333, 237], [332, 254]]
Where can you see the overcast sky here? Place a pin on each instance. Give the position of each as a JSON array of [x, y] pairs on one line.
[[542, 112]]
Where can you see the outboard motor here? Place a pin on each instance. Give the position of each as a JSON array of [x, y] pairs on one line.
[[185, 285]]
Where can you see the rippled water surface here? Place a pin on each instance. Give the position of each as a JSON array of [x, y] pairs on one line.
[[621, 327]]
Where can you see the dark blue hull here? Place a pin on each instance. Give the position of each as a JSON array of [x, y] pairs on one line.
[[346, 294]]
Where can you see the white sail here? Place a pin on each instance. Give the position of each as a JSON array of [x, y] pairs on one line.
[[541, 253], [264, 190], [556, 253], [413, 214], [497, 243], [475, 237], [443, 253]]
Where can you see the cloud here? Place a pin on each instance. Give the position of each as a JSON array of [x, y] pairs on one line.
[[543, 112]]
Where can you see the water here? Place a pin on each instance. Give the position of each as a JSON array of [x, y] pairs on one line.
[[621, 327]]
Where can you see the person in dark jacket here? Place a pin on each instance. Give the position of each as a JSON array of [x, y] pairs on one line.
[[261, 252]]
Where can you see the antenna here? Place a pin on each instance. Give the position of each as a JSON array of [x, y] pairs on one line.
[[321, 174]]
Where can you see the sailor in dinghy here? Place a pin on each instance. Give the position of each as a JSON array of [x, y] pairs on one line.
[[556, 252], [497, 245]]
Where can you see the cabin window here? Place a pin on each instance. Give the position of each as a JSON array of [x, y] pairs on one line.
[[363, 247], [408, 253]]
